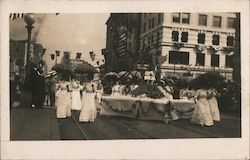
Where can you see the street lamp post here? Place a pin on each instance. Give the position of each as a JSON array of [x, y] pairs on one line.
[[29, 19], [26, 96]]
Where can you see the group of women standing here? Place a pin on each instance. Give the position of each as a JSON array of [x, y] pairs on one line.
[[73, 96], [206, 110]]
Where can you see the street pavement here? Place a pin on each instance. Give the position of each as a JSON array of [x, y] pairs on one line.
[[33, 124], [42, 124]]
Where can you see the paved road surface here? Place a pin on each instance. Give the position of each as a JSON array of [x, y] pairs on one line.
[[107, 128]]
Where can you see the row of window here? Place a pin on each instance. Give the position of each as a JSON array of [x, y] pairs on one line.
[[151, 23], [184, 18], [177, 57], [201, 38], [151, 41], [184, 38]]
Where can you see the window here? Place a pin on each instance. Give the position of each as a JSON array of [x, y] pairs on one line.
[[202, 20], [158, 38], [201, 38], [200, 59], [216, 40], [230, 41], [152, 39], [217, 21], [185, 18], [231, 23], [175, 36], [144, 27], [176, 17], [153, 22], [149, 24], [159, 18], [184, 36], [229, 61], [215, 60], [148, 40], [178, 57]]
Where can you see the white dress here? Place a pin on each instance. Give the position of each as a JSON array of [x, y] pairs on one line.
[[76, 97], [63, 101], [116, 90], [99, 92], [88, 111], [202, 114], [213, 104]]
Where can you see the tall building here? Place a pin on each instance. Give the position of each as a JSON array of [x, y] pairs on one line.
[[122, 41], [193, 42]]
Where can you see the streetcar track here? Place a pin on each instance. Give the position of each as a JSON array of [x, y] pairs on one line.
[[82, 129], [193, 130], [134, 130]]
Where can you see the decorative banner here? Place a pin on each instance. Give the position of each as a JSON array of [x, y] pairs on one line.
[[57, 53], [78, 55], [52, 56], [16, 15], [92, 55]]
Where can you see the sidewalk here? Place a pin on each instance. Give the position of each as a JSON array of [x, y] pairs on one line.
[[34, 124]]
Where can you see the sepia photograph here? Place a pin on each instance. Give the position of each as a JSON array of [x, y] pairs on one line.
[[109, 77], [134, 76]]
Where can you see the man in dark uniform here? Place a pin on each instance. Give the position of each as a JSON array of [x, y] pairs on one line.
[[38, 87]]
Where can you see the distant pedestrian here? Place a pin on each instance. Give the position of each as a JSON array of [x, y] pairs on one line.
[[47, 92], [52, 89]]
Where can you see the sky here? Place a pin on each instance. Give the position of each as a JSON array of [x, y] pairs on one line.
[[66, 32]]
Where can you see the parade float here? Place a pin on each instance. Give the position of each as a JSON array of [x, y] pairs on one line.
[[147, 102]]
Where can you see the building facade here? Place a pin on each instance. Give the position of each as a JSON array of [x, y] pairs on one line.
[[122, 41], [18, 56], [193, 42]]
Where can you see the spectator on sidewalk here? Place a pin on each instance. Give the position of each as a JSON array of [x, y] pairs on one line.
[[47, 92], [52, 89], [38, 90]]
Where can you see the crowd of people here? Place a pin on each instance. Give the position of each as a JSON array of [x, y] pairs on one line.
[[68, 96]]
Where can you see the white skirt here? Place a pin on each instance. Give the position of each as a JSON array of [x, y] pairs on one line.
[[76, 100], [63, 104], [88, 111]]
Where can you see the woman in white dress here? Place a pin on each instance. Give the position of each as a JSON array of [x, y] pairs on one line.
[[63, 101], [213, 104], [99, 91], [116, 90], [88, 111], [76, 97], [202, 115]]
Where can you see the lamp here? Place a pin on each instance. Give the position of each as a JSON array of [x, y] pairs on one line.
[[29, 20]]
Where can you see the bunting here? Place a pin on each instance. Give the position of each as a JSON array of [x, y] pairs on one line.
[[14, 16]]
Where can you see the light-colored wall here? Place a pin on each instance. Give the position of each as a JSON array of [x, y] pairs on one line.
[[193, 28]]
